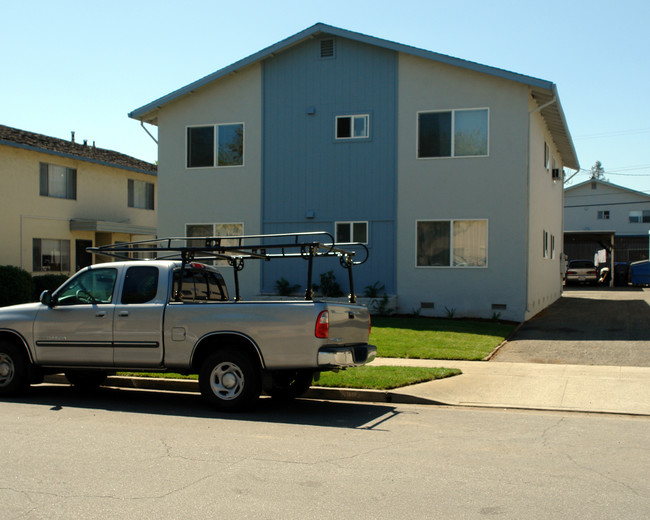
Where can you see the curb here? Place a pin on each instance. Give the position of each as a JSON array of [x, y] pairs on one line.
[[315, 392]]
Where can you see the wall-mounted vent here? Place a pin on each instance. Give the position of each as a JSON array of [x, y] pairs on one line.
[[427, 305], [499, 307], [327, 48], [556, 173]]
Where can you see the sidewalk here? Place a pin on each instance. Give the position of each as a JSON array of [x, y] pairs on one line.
[[604, 389], [535, 386]]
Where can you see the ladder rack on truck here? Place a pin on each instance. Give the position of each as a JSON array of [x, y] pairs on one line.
[[237, 249]]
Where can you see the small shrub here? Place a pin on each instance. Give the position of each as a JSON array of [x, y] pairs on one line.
[[47, 282], [16, 285], [450, 312], [380, 306], [284, 288], [329, 287], [374, 290]]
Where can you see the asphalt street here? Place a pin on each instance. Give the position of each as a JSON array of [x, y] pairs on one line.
[[134, 454]]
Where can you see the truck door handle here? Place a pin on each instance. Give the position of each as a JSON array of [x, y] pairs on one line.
[[123, 314], [100, 314]]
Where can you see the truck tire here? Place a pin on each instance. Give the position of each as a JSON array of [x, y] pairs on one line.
[[14, 376], [230, 380], [289, 384], [86, 379]]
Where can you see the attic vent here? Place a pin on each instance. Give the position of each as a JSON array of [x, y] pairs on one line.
[[327, 48]]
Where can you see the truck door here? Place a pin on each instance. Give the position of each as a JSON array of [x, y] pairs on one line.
[[138, 318], [78, 329]]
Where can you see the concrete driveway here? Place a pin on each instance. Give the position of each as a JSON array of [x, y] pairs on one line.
[[587, 326]]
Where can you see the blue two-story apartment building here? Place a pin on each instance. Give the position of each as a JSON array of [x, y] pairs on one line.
[[450, 171]]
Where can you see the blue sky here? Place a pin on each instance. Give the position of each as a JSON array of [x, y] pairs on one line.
[[83, 66]]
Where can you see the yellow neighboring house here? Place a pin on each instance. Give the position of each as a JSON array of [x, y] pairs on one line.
[[60, 197]]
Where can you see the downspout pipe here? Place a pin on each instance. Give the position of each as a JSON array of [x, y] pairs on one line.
[[148, 132]]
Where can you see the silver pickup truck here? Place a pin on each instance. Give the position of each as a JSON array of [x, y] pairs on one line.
[[171, 315]]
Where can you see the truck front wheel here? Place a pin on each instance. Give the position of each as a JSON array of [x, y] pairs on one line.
[[230, 381], [13, 370]]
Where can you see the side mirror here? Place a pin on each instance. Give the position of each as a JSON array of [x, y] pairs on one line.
[[47, 299]]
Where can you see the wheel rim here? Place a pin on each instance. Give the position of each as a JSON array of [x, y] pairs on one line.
[[7, 369], [227, 381]]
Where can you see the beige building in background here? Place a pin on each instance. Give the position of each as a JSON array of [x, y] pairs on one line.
[[60, 197]]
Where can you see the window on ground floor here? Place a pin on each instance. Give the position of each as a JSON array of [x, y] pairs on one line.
[[637, 216], [347, 232], [51, 255], [451, 243], [215, 230]]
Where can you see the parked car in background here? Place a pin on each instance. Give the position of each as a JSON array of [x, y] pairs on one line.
[[581, 271]]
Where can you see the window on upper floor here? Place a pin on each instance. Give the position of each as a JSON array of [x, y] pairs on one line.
[[637, 216], [215, 145], [51, 255], [451, 243], [453, 133], [348, 232], [140, 194], [603, 215], [352, 127], [58, 181]]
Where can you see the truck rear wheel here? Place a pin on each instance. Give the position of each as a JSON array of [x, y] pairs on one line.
[[289, 384], [230, 381], [13, 370]]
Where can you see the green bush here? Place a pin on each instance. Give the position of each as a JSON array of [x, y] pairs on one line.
[[329, 286], [16, 286], [47, 282]]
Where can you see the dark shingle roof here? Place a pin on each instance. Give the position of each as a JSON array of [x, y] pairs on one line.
[[52, 145]]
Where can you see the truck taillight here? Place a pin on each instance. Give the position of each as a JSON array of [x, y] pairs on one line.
[[323, 325]]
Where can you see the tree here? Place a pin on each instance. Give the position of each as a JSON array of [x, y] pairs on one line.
[[598, 172]]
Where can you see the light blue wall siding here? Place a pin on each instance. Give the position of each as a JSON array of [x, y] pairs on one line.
[[305, 169]]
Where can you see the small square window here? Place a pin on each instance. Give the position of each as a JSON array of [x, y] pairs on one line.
[[349, 232], [58, 181], [352, 127], [228, 139], [140, 194], [603, 215]]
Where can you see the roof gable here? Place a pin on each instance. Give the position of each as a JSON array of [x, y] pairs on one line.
[[54, 146], [544, 92], [606, 187]]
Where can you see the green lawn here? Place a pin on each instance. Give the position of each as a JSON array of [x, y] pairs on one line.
[[376, 378], [428, 338]]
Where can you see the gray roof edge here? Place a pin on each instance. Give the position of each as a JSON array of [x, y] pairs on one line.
[[607, 183], [575, 161], [344, 33], [73, 156]]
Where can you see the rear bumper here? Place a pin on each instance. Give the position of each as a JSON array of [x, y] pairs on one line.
[[349, 356]]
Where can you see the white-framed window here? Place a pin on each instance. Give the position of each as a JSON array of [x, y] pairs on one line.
[[230, 229], [451, 243], [352, 126], [638, 216], [547, 156], [215, 145], [140, 194], [545, 248], [552, 246], [50, 255], [58, 181], [453, 133], [603, 215], [347, 232]]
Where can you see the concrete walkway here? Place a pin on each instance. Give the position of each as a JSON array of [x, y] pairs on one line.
[[604, 389], [600, 389]]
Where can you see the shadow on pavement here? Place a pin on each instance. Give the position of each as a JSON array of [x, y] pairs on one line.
[[300, 411]]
